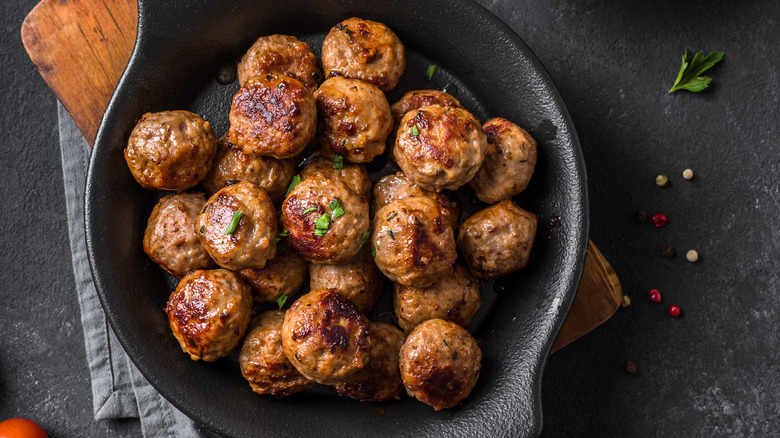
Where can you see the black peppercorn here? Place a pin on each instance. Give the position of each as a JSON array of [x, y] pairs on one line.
[[668, 251]]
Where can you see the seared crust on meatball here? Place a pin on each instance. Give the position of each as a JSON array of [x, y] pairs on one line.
[[354, 119], [412, 241], [416, 99], [209, 312], [508, 170], [365, 50], [497, 240], [231, 165], [280, 54], [354, 176], [358, 279], [246, 244], [380, 380], [440, 363], [325, 337], [453, 298], [440, 148], [171, 239], [262, 359], [272, 115], [317, 229], [285, 274], [393, 187], [170, 150]]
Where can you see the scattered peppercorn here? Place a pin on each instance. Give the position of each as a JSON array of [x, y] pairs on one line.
[[674, 310], [629, 367], [661, 181], [641, 216], [659, 220], [626, 301], [668, 251], [226, 74], [688, 174], [692, 255], [654, 295]]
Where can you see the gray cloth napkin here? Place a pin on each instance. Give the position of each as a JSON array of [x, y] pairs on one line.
[[118, 388]]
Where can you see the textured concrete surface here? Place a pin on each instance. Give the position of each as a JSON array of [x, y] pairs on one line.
[[712, 372]]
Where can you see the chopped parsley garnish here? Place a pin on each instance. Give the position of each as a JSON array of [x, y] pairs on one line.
[[395, 213], [296, 179], [373, 251], [234, 222], [429, 73], [275, 241], [391, 233], [202, 229], [364, 238], [321, 225], [338, 162], [281, 300], [308, 210], [415, 131], [283, 233], [690, 76], [335, 208], [417, 222]]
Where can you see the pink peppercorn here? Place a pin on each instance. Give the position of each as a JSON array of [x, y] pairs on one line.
[[659, 220], [674, 310], [654, 295]]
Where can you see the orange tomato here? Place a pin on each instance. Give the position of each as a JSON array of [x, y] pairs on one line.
[[21, 428]]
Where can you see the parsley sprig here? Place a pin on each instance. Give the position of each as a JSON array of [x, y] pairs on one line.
[[234, 222], [690, 76]]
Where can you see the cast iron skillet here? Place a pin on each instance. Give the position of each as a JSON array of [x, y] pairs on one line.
[[180, 46]]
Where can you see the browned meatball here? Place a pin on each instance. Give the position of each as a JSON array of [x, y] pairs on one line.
[[230, 165], [262, 358], [497, 240], [358, 279], [416, 99], [272, 115], [285, 274], [440, 363], [325, 220], [209, 312], [508, 170], [237, 226], [412, 241], [365, 50], [170, 150], [453, 298], [440, 148], [354, 119], [380, 380], [393, 187], [280, 54], [354, 176], [325, 337], [171, 239]]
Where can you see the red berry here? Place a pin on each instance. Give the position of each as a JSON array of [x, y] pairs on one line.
[[659, 220], [654, 295], [674, 310]]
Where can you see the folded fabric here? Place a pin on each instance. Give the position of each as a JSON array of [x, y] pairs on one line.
[[118, 388]]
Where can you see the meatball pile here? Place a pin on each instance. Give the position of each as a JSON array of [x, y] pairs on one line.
[[285, 258]]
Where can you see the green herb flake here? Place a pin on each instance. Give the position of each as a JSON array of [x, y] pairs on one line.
[[296, 179], [234, 222], [338, 162], [281, 300], [283, 233], [321, 225], [690, 76], [415, 131], [202, 229], [395, 213], [417, 222], [429, 73], [373, 251], [364, 238], [275, 241], [445, 343], [309, 210], [335, 208], [455, 355], [391, 233]]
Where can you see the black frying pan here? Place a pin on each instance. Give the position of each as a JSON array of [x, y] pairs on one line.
[[180, 47]]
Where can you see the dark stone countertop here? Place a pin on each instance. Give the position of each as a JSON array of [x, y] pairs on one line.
[[712, 372]]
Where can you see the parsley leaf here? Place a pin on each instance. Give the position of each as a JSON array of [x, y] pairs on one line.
[[335, 207], [689, 78], [283, 233], [310, 209], [415, 131], [296, 179], [364, 238], [373, 251], [281, 300], [321, 225], [391, 233], [275, 241], [338, 162], [429, 73], [234, 222]]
